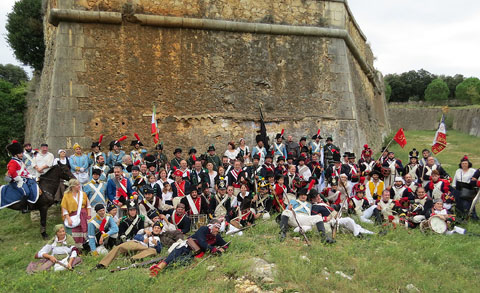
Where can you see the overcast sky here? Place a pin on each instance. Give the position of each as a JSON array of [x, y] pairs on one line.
[[441, 36]]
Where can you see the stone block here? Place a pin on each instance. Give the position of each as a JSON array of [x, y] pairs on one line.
[[79, 90]]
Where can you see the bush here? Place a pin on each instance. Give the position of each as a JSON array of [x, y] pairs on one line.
[[437, 90], [469, 90], [12, 103]]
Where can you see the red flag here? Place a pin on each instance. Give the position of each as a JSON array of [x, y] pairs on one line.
[[400, 138], [440, 140]]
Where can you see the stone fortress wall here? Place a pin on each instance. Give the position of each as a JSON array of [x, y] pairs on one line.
[[207, 65]]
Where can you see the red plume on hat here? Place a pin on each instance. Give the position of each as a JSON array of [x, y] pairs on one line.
[[194, 158], [318, 132], [282, 132], [136, 163], [365, 146], [310, 185], [100, 139], [14, 141], [121, 139], [136, 136]]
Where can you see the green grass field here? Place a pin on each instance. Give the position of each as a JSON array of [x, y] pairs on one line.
[[435, 263]]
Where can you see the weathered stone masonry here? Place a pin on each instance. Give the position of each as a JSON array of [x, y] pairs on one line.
[[207, 65]]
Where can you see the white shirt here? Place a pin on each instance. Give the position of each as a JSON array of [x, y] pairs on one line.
[[461, 176], [232, 155], [41, 160]]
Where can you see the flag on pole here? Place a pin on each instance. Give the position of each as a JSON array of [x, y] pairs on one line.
[[400, 138], [440, 140], [154, 130]]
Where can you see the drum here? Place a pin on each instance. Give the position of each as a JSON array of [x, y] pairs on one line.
[[197, 221], [386, 171], [435, 224]]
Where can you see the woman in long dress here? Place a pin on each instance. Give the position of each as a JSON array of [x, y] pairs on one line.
[[465, 193], [61, 248], [73, 195], [244, 151], [61, 160], [212, 175]]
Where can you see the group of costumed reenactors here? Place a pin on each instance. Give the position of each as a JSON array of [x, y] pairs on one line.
[[141, 202]]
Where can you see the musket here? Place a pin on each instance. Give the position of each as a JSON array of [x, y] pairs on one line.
[[474, 202], [241, 229], [300, 228], [138, 265], [339, 214]]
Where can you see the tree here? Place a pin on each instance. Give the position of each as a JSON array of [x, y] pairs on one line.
[[437, 90], [468, 89], [388, 91], [399, 88], [25, 32], [452, 82], [12, 103], [409, 85], [13, 74]]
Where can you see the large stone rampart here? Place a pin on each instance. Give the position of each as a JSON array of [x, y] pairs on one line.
[[207, 65], [464, 119]]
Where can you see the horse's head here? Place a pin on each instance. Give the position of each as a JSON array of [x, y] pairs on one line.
[[65, 172]]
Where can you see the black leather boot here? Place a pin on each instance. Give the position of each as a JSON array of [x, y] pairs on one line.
[[325, 237], [283, 228]]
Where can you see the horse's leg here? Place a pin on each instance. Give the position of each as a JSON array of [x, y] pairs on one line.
[[43, 221]]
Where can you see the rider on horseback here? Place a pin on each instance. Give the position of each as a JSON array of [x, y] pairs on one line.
[[19, 178]]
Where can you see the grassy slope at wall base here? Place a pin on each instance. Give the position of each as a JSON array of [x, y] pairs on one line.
[[387, 263]]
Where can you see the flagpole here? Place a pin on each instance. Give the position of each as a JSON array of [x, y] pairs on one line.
[[385, 149]]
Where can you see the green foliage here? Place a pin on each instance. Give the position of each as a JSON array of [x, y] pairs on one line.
[[469, 90], [409, 84], [13, 74], [437, 90], [25, 32], [388, 91], [452, 82], [12, 103]]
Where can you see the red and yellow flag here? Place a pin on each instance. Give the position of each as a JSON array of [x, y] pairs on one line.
[[440, 140], [400, 138]]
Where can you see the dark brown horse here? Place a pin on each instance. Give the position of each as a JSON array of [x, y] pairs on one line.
[[48, 185]]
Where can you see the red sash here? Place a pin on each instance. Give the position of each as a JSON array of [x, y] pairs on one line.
[[102, 225], [177, 219], [198, 204], [180, 188], [120, 191]]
